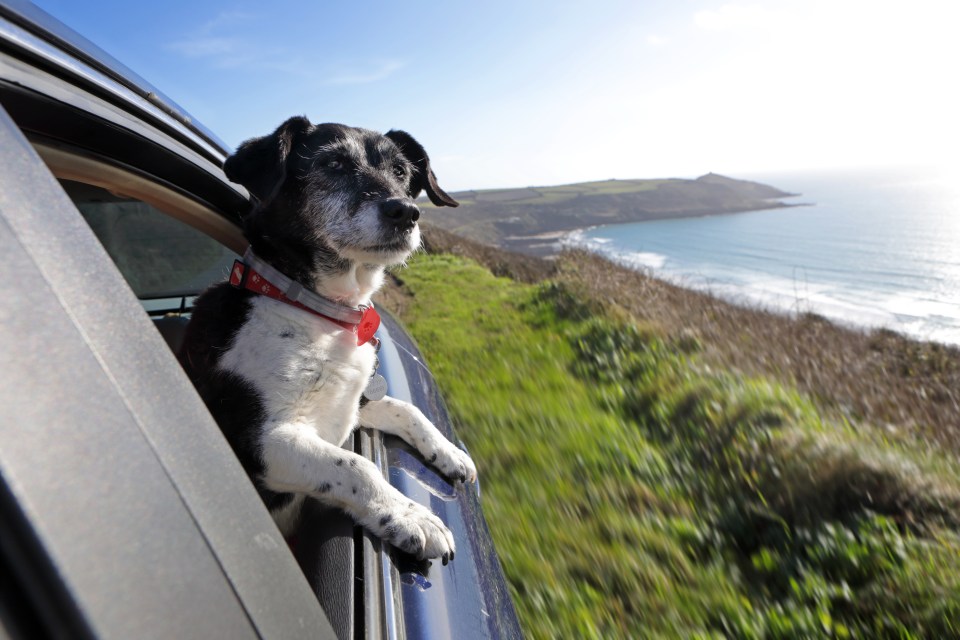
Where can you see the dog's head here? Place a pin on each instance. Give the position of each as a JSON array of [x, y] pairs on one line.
[[336, 189]]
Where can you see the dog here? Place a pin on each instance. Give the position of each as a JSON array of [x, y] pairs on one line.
[[282, 354]]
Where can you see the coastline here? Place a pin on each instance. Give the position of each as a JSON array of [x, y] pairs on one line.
[[794, 303], [550, 243]]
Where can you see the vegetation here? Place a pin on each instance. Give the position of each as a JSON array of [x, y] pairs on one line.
[[910, 388], [636, 488]]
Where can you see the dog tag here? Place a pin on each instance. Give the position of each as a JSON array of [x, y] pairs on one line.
[[376, 388], [369, 322]]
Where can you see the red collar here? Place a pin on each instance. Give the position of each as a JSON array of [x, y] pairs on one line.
[[244, 276]]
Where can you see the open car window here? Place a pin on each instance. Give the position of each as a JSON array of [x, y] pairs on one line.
[[159, 256]]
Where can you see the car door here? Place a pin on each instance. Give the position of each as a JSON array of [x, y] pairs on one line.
[[125, 514]]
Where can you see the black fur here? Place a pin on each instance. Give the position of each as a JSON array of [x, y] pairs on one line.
[[423, 178], [217, 316], [283, 170], [290, 174]]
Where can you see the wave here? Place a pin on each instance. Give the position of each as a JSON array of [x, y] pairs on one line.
[[638, 260], [907, 314], [856, 306]]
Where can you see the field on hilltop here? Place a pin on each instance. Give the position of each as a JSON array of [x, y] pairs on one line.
[[659, 463], [527, 219]]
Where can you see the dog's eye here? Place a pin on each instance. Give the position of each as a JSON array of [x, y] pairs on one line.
[[400, 171], [334, 164]]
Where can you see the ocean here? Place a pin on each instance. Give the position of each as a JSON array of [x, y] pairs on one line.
[[877, 248]]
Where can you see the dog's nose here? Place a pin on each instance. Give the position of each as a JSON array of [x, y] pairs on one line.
[[400, 211]]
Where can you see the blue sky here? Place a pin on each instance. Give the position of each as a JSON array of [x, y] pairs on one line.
[[513, 93]]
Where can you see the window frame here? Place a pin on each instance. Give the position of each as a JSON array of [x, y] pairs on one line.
[[71, 165]]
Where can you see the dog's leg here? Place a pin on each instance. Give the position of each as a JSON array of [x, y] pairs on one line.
[[299, 461], [405, 420]]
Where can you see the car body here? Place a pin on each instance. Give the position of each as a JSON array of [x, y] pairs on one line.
[[124, 512]]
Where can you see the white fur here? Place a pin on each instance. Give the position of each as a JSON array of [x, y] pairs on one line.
[[358, 237], [408, 422], [310, 374], [315, 377], [353, 286]]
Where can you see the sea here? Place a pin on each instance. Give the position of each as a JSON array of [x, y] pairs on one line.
[[866, 248]]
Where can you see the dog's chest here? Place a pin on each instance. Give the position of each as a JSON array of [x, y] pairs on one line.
[[306, 369]]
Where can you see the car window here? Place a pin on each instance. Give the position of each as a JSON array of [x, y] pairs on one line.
[[159, 256]]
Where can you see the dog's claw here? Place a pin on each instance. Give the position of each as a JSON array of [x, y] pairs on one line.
[[413, 529], [455, 464]]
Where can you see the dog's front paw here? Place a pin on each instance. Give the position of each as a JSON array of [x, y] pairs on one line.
[[454, 463], [414, 529]]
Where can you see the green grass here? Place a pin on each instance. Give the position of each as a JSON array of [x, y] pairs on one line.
[[553, 194], [633, 492]]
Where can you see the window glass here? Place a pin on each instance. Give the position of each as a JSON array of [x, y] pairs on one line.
[[159, 256]]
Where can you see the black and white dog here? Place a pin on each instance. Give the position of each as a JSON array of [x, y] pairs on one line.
[[282, 354]]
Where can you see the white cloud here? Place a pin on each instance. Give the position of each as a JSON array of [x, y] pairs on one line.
[[205, 46], [229, 18], [226, 42], [373, 72], [738, 16], [208, 41]]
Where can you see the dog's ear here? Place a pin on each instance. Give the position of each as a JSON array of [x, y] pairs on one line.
[[260, 164], [423, 178]]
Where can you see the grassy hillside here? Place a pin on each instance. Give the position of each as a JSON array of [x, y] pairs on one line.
[[518, 219], [634, 489]]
